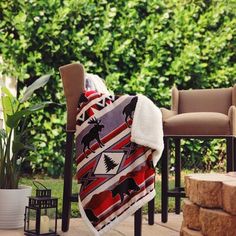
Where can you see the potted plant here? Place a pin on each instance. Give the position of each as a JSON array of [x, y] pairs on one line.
[[13, 197]]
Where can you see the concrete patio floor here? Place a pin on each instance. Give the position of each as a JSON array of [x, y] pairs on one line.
[[78, 228]]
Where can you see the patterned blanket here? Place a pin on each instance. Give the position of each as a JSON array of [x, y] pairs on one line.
[[116, 175]]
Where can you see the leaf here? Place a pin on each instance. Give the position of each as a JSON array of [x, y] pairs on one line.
[[13, 120], [34, 86], [7, 109], [3, 133], [17, 146], [30, 148], [7, 105], [8, 93], [39, 106]]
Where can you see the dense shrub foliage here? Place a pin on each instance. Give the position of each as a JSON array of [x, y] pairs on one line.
[[138, 46]]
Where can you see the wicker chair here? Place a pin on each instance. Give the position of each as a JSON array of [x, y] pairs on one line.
[[200, 114]]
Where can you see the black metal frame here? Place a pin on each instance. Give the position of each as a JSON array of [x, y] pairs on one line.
[[28, 232], [68, 197], [178, 191]]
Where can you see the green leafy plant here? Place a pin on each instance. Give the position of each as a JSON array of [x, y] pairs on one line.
[[143, 46], [13, 137]]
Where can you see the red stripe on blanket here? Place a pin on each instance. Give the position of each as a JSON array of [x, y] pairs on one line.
[[122, 143], [135, 155], [115, 132], [90, 98], [90, 112], [91, 186], [85, 169], [104, 140]]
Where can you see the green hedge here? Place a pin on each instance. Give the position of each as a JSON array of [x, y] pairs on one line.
[[143, 46]]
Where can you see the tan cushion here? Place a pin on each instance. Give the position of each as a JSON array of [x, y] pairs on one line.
[[205, 100], [197, 123]]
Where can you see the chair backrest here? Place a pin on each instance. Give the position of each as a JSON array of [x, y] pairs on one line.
[[234, 95], [73, 83], [205, 100]]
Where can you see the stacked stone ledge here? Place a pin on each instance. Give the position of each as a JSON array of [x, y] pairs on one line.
[[210, 209]]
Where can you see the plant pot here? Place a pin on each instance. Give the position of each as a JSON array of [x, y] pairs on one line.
[[12, 206]]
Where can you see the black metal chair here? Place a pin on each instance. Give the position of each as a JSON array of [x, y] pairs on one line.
[[198, 114], [73, 83]]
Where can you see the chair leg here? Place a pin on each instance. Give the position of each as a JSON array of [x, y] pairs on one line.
[[177, 174], [138, 222], [151, 211], [66, 208], [164, 181], [230, 153], [234, 155]]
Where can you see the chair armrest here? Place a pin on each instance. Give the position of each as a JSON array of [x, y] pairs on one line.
[[175, 99], [234, 95], [232, 119], [166, 114]]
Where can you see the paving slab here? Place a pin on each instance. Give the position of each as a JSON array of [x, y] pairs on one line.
[[126, 228]]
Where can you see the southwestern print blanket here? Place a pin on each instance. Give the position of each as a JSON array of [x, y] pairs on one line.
[[116, 174]]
